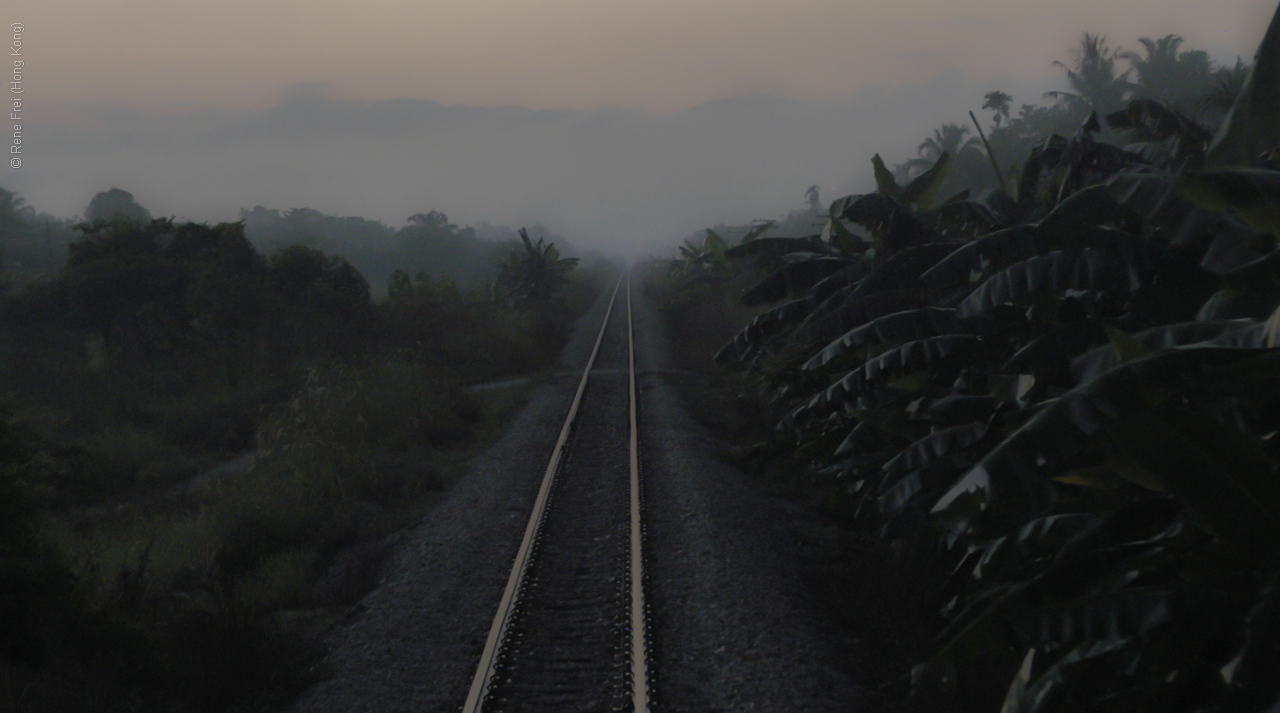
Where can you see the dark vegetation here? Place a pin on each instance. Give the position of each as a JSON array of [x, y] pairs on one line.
[[134, 574], [428, 243], [1037, 376]]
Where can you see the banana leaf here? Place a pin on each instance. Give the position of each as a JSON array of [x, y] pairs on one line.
[[777, 246], [1153, 153], [1044, 157], [1216, 472], [1154, 197], [1046, 356], [1124, 614], [756, 231], [966, 216], [761, 330], [936, 445], [839, 282], [890, 329], [1251, 290], [845, 241], [1251, 672], [904, 230], [892, 425], [1096, 362], [845, 311], [1254, 120], [1152, 121], [885, 182], [903, 269], [955, 409], [1234, 248], [1087, 208], [923, 356], [1253, 194], [1086, 663], [922, 191], [997, 250], [1224, 243], [1076, 589], [1091, 269], [793, 279], [715, 244], [870, 210], [898, 495]]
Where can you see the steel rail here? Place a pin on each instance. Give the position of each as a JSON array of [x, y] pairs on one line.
[[487, 665], [639, 645]]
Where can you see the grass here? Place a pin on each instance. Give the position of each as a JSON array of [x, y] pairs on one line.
[[699, 318]]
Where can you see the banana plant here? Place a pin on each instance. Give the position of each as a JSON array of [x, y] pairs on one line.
[[533, 272], [1076, 390]]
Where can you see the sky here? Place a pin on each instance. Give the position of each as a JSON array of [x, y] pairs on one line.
[[618, 119]]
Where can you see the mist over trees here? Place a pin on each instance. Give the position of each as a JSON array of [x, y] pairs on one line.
[[1185, 83], [429, 242], [115, 203], [1100, 77]]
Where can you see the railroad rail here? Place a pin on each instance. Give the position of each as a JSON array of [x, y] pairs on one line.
[[570, 632]]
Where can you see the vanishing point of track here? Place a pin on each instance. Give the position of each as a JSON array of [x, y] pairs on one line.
[[570, 633]]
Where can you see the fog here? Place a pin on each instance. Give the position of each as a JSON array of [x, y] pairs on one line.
[[624, 181], [192, 141]]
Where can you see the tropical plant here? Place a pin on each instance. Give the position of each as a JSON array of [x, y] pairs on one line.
[[1095, 86], [1251, 131], [1165, 75], [949, 139], [533, 272], [1075, 392], [1225, 86], [1164, 135], [708, 260], [998, 102]]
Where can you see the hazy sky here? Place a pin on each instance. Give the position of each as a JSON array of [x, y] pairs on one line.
[[175, 99], [658, 55]]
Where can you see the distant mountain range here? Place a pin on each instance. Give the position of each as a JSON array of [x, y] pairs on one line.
[[619, 179]]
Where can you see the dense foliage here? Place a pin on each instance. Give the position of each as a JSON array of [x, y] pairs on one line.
[[31, 244], [533, 274], [427, 243], [1068, 387], [203, 450], [1183, 82]]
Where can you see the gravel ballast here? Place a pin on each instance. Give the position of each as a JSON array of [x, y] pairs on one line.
[[735, 627]]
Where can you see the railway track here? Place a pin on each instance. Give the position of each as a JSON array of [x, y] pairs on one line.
[[570, 633]]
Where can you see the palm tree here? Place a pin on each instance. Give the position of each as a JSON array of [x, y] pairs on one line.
[[1225, 87], [1092, 76], [998, 102], [10, 225], [11, 206], [1166, 75], [949, 139]]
